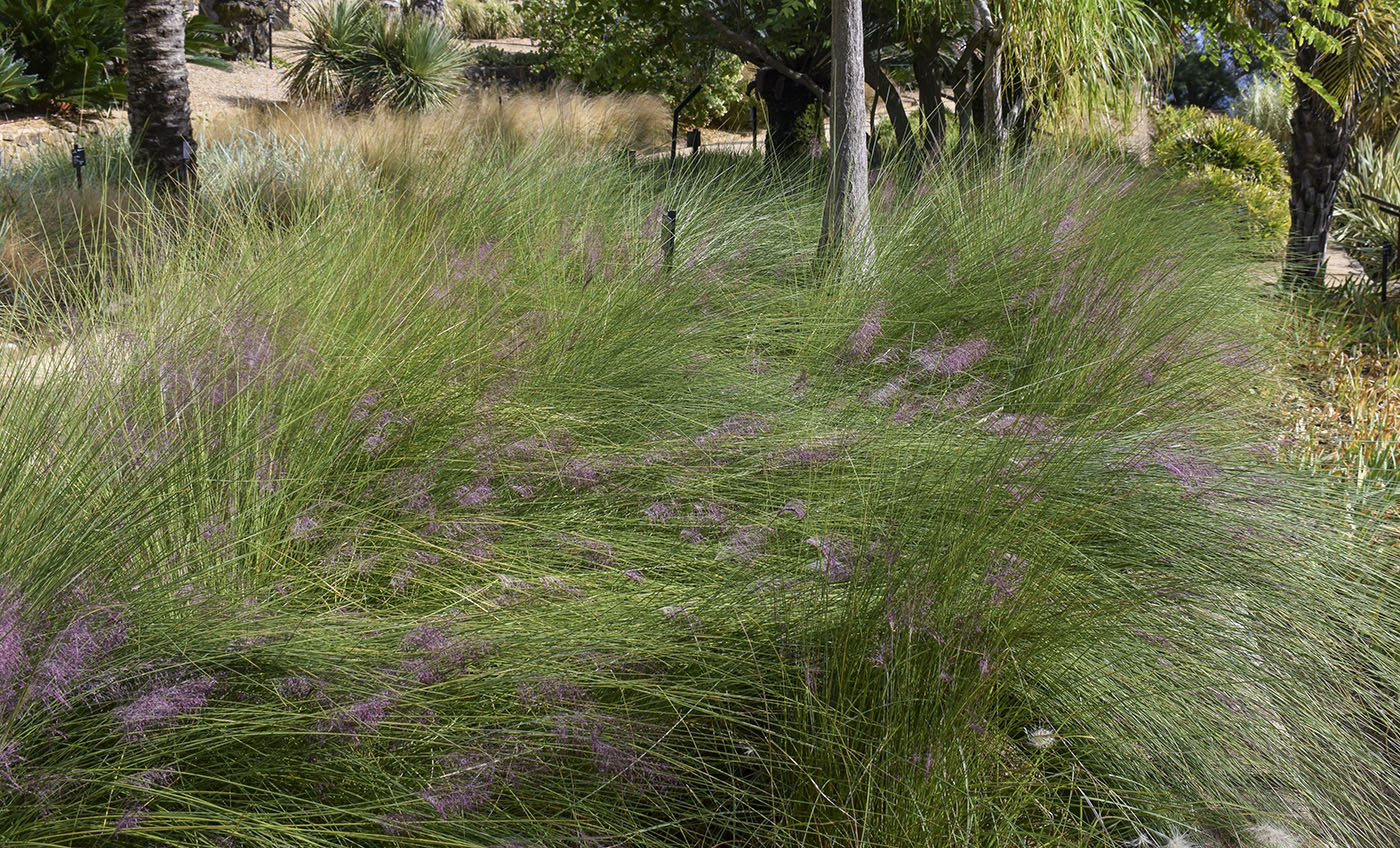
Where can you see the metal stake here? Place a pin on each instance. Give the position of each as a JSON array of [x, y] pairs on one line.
[[1385, 269], [753, 122], [668, 241], [79, 160], [271, 19]]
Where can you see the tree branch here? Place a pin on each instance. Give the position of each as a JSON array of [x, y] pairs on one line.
[[750, 49], [876, 77]]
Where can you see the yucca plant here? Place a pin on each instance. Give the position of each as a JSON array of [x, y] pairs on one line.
[[357, 57], [1374, 169], [1267, 105]]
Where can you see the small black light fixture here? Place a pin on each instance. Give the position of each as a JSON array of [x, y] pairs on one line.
[[79, 160], [692, 139], [753, 125]]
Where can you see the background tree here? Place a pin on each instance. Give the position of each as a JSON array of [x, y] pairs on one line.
[[158, 90], [846, 222], [244, 22], [1343, 51], [428, 8]]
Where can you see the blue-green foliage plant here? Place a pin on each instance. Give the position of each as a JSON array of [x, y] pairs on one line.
[[358, 57], [423, 502]]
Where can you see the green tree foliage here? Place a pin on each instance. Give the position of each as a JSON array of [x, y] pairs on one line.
[[620, 48], [1198, 79]]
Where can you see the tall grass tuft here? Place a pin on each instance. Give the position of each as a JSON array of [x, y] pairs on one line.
[[410, 497], [486, 19]]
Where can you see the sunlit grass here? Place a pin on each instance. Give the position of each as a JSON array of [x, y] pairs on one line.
[[407, 494]]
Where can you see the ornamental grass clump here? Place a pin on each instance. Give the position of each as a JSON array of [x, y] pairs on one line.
[[431, 509]]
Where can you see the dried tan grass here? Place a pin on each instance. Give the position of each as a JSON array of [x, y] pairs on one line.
[[560, 116]]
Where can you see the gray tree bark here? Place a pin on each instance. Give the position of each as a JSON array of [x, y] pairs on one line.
[[990, 81], [928, 77], [846, 224], [158, 89]]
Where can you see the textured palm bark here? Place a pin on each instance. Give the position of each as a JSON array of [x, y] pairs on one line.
[[246, 22], [158, 89], [427, 8], [1317, 160], [846, 223]]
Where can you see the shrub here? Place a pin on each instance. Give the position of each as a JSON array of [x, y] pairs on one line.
[[1230, 160], [1359, 224], [15, 84], [74, 47], [617, 54], [489, 19], [1267, 105], [1200, 80], [357, 57]]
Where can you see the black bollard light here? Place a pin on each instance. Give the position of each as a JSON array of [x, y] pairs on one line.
[[79, 160], [692, 140]]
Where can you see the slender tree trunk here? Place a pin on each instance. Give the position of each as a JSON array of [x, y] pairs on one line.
[[158, 89], [928, 76], [989, 81], [846, 224]]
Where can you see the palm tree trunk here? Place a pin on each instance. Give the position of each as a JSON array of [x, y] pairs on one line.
[[846, 224], [246, 22], [158, 89], [427, 8], [1317, 160]]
